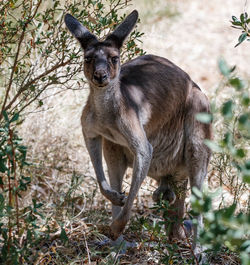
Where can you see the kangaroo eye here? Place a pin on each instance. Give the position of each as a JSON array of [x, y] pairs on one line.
[[115, 59], [87, 59]]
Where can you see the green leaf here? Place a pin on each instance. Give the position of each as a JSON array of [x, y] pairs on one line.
[[247, 164], [240, 153], [204, 117], [236, 83], [242, 37], [1, 199], [228, 213], [63, 235], [213, 146], [246, 178], [243, 119], [227, 140], [234, 18], [246, 172], [39, 205], [245, 99], [5, 115], [224, 68], [244, 256], [236, 23], [245, 245], [15, 117], [207, 204], [242, 18], [197, 192], [32, 88], [227, 109], [3, 168]]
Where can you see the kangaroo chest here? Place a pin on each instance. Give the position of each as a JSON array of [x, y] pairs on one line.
[[104, 123]]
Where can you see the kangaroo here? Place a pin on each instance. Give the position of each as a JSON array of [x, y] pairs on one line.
[[142, 115]]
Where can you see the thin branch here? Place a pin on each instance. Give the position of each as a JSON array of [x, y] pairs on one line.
[[16, 59], [10, 201], [36, 97], [86, 246], [27, 85], [15, 179], [12, 72]]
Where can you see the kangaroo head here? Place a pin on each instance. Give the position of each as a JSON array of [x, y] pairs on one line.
[[101, 58]]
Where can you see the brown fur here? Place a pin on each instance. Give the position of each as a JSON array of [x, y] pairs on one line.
[[142, 115]]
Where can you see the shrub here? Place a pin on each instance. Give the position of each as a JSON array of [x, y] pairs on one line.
[[36, 54], [227, 226]]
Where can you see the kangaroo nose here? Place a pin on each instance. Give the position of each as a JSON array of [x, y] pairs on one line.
[[100, 76]]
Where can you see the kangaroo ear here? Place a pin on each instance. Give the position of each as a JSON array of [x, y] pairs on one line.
[[79, 31], [123, 30]]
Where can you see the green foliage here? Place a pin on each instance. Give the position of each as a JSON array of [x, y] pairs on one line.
[[242, 24], [226, 227], [231, 132], [235, 114], [157, 231], [223, 227], [18, 227], [37, 52]]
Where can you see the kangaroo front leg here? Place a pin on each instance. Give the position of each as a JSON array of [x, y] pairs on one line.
[[142, 161], [94, 146], [117, 165]]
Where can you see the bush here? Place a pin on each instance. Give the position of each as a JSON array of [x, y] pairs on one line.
[[36, 54], [36, 49], [227, 226]]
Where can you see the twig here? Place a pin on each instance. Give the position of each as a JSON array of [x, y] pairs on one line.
[[16, 59], [10, 202], [12, 72], [27, 85], [87, 249], [15, 179]]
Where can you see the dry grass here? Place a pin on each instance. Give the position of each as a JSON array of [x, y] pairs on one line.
[[192, 34]]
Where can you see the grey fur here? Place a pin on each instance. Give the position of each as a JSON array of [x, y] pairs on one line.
[[142, 115]]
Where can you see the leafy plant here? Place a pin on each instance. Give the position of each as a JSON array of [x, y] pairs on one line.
[[231, 129], [18, 227], [36, 54], [155, 229], [223, 227], [227, 226], [242, 24]]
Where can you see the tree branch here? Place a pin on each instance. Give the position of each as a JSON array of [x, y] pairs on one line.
[[16, 59], [27, 85]]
